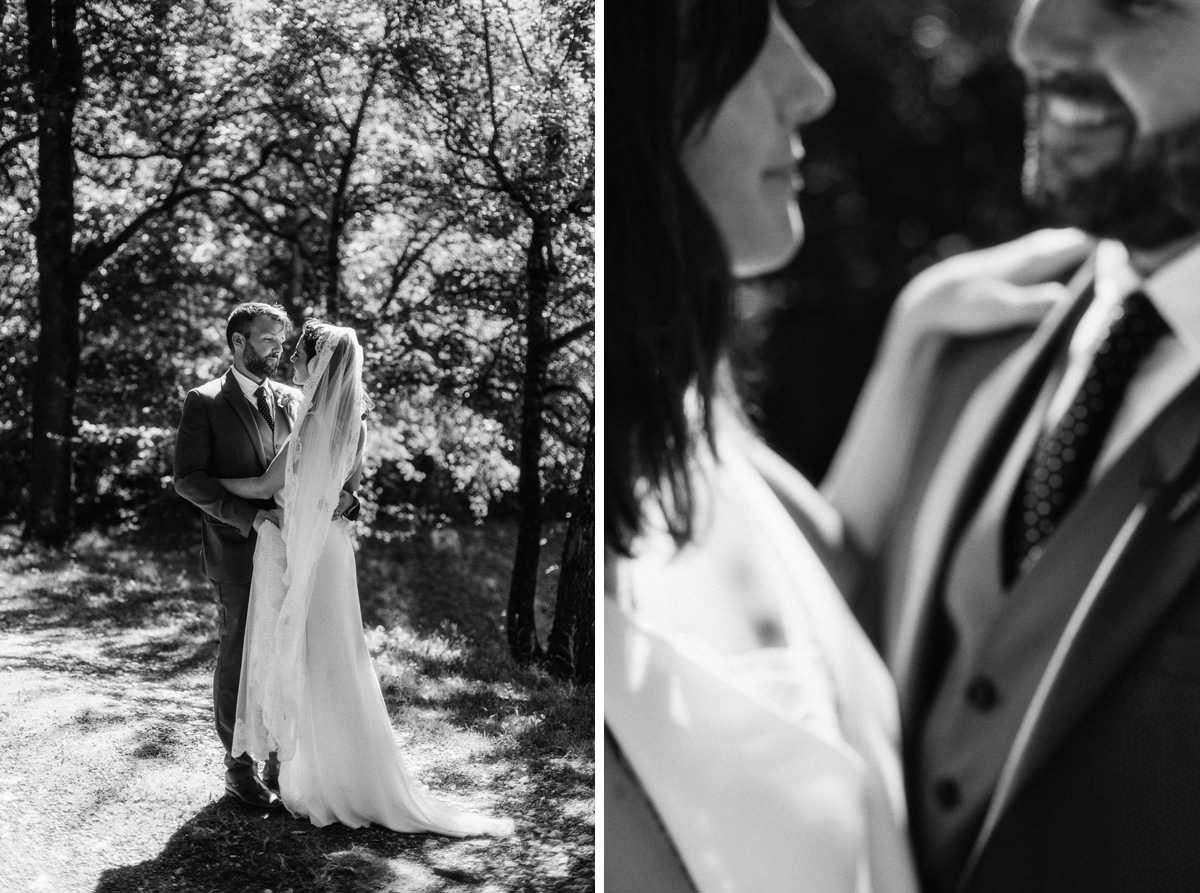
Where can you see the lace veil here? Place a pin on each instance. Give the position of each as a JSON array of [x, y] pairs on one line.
[[322, 456]]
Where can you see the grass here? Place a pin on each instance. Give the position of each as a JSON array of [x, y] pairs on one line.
[[112, 778]]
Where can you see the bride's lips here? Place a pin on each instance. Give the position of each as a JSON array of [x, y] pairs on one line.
[[787, 173]]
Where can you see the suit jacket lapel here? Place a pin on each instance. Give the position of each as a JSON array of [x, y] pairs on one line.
[[237, 400], [1140, 577], [972, 454]]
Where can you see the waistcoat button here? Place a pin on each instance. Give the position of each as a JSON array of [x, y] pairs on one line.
[[982, 694], [946, 793]]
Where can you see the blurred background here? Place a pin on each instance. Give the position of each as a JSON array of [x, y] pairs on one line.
[[919, 159]]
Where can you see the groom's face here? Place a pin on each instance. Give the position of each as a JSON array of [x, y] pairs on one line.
[[1113, 142], [262, 346]]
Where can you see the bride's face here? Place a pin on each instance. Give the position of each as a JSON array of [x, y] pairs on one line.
[[744, 161], [301, 363]]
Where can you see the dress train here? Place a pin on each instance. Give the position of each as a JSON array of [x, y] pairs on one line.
[[346, 767]]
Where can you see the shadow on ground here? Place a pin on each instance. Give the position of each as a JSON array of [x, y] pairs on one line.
[[152, 621], [226, 847], [134, 629]]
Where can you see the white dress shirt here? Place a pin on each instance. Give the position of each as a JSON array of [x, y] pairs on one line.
[[249, 388]]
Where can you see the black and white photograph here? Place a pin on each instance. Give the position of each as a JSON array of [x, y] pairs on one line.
[[297, 426], [506, 446], [901, 446]]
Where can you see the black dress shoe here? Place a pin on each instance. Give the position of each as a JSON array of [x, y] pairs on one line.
[[250, 791]]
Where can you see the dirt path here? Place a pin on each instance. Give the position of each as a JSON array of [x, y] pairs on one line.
[[111, 780]]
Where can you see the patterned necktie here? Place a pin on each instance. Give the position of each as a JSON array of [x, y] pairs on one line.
[[1057, 472], [264, 406]]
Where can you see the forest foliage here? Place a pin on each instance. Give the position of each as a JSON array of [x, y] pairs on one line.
[[419, 170]]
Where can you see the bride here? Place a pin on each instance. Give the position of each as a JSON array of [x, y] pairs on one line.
[[751, 730], [308, 689]]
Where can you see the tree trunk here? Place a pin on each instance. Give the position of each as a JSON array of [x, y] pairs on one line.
[[56, 66], [520, 619], [293, 287], [571, 649], [337, 209], [333, 261]]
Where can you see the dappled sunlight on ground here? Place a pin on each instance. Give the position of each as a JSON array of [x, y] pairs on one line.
[[110, 771]]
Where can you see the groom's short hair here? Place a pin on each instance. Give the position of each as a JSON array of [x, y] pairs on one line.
[[244, 314]]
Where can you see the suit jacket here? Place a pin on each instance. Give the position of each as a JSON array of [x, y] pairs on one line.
[[1100, 789], [218, 437]]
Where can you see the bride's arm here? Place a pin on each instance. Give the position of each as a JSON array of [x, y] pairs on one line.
[[979, 293], [264, 486], [867, 473]]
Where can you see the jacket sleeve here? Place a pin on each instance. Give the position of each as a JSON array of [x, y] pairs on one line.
[[192, 479], [355, 480]]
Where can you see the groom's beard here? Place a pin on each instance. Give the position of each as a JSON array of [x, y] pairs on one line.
[[1148, 197], [259, 365]]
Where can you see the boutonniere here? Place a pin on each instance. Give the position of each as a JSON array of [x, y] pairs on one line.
[[286, 401]]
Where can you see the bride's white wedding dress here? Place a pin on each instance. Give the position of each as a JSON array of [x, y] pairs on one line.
[[750, 706], [308, 687]]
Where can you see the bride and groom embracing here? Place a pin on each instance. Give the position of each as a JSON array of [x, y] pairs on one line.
[[273, 469]]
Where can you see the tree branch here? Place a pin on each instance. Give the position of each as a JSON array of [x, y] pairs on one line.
[[517, 37], [493, 156], [337, 206], [12, 142], [567, 388], [558, 342], [562, 428], [96, 253], [405, 264], [265, 223]]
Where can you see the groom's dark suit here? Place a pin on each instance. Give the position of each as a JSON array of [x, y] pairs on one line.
[[1054, 745], [221, 435]]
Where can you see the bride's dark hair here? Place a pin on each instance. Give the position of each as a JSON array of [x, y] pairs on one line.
[[668, 292]]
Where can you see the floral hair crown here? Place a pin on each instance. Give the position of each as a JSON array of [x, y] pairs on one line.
[[327, 331]]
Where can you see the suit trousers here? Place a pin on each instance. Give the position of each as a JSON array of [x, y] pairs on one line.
[[233, 600]]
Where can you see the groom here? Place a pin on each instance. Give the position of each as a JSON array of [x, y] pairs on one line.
[[1041, 606], [232, 427]]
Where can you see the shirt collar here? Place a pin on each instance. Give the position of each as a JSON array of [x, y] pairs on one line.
[[249, 385], [1174, 288]]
